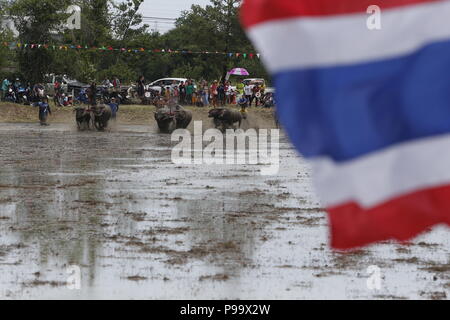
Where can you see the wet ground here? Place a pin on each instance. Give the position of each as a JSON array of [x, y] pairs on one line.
[[139, 226]]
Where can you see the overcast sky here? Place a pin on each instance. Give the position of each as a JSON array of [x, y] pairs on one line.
[[166, 9]]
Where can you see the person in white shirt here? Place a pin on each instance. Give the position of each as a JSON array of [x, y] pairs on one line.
[[248, 92]]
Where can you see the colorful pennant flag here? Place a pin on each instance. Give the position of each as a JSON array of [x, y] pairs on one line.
[[130, 50]]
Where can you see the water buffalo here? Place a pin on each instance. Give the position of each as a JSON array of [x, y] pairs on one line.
[[83, 118], [102, 115], [215, 114], [225, 118], [183, 117], [166, 120]]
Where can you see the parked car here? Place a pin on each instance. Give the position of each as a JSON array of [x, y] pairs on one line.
[[254, 81], [67, 85], [166, 83], [260, 82]]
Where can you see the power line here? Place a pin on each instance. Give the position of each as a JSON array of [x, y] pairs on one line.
[[160, 18], [162, 22]]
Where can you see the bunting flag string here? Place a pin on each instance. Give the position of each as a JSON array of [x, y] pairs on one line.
[[18, 45]]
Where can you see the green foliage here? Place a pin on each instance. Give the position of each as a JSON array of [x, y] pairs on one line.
[[95, 23], [215, 27], [127, 21], [121, 70], [118, 24], [7, 58], [37, 22]]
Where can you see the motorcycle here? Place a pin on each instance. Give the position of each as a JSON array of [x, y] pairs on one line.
[[23, 96], [10, 96], [268, 100]]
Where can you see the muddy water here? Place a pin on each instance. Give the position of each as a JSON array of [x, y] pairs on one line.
[[138, 226]]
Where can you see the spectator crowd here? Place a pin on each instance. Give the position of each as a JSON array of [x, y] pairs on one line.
[[203, 94]]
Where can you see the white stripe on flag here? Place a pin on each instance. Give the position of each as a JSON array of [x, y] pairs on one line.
[[385, 175], [299, 43]]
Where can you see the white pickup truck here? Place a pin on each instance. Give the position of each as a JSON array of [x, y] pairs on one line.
[[258, 81], [67, 84], [166, 83]]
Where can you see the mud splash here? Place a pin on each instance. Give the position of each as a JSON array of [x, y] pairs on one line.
[[140, 227]]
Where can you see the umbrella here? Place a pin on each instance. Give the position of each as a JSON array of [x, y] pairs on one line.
[[239, 72]]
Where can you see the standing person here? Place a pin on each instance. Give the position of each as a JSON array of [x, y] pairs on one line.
[[189, 91], [182, 90], [106, 83], [243, 103], [141, 87], [205, 93], [248, 92], [221, 94], [17, 84], [214, 93], [38, 92], [114, 105], [256, 95], [232, 96], [240, 88], [58, 93], [167, 93], [227, 92], [174, 91], [92, 94], [116, 84], [116, 87], [4, 88], [195, 99], [44, 111], [28, 93]]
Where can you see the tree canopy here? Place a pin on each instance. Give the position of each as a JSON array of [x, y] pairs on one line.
[[118, 24]]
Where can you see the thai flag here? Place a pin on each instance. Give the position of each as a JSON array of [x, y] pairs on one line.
[[370, 108]]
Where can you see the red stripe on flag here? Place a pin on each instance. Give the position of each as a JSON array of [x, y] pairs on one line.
[[402, 219], [257, 11]]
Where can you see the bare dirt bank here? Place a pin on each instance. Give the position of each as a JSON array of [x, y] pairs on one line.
[[128, 114]]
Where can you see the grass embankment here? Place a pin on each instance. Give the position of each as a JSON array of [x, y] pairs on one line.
[[128, 114]]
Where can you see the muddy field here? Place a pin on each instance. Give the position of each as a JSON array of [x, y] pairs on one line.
[[138, 226]]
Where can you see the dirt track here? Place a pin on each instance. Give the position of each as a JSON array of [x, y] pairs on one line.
[[138, 226]]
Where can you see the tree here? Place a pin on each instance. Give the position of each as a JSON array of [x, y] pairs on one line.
[[37, 22], [127, 22], [6, 55], [104, 23], [215, 27], [116, 23], [226, 15]]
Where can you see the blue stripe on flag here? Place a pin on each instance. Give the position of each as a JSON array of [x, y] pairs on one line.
[[346, 112]]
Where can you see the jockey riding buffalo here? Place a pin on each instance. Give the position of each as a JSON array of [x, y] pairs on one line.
[[171, 118], [166, 120]]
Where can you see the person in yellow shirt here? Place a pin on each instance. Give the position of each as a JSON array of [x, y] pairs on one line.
[[240, 88]]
